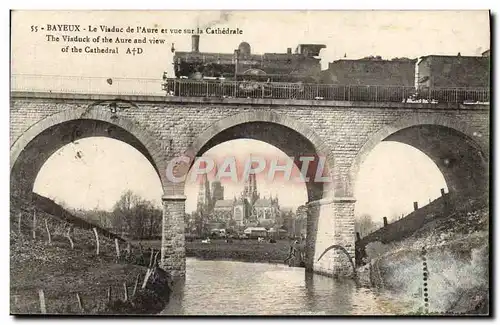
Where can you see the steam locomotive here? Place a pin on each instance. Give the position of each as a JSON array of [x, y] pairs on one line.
[[298, 75], [303, 65]]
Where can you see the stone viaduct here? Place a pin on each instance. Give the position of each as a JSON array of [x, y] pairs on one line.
[[454, 136]]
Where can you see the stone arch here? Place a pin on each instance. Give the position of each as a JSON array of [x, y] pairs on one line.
[[471, 137], [203, 141], [98, 118]]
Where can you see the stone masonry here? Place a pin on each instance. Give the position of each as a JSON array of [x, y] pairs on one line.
[[455, 136]]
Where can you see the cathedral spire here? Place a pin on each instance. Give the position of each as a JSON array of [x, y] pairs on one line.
[[204, 198], [250, 192]]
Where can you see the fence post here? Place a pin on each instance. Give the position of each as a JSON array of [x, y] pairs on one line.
[[109, 294], [48, 231], [34, 224], [146, 278], [96, 240], [135, 285], [41, 297], [125, 291], [19, 222], [415, 206], [68, 235], [358, 237], [376, 93], [156, 258], [117, 245], [385, 222], [151, 257], [442, 192], [80, 303]]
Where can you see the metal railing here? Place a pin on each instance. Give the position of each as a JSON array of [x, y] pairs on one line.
[[277, 90], [244, 89], [86, 85]]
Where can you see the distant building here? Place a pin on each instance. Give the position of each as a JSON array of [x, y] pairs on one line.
[[236, 210], [250, 191], [217, 191], [240, 211], [253, 232], [277, 233], [204, 203], [266, 209], [224, 209], [247, 209], [446, 71], [371, 71]]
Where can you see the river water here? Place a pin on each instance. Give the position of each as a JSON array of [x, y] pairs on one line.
[[238, 288]]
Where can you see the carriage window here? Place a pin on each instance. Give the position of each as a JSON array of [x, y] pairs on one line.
[[447, 68]]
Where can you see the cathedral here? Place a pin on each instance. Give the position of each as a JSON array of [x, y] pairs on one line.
[[247, 209]]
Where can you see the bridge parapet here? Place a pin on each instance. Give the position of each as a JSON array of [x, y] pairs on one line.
[[256, 102], [222, 89], [335, 92]]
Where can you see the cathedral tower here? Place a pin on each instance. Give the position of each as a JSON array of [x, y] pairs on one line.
[[204, 197], [250, 191]]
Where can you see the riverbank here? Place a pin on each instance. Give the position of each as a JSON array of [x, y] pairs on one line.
[[74, 280], [441, 269], [246, 250]]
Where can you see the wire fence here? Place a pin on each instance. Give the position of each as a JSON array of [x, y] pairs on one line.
[[245, 89]]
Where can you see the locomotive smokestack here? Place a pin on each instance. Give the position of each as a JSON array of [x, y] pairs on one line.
[[195, 43]]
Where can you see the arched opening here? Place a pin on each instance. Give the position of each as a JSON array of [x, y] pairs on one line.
[[93, 173], [31, 151], [62, 133], [393, 176], [286, 139], [84, 165], [450, 159], [106, 182], [236, 204], [460, 151], [293, 139], [460, 159]]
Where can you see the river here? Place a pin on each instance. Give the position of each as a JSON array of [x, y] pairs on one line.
[[238, 288]]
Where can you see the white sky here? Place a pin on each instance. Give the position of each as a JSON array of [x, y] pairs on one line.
[[355, 33], [358, 34], [109, 167]]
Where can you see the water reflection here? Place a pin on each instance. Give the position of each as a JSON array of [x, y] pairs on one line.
[[237, 288]]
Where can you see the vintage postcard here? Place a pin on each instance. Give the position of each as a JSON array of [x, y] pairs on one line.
[[317, 163]]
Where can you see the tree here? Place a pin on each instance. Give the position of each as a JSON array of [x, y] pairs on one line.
[[365, 225], [136, 217], [288, 218]]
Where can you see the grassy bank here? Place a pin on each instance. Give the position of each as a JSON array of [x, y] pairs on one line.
[[60, 270], [239, 250], [449, 254]]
